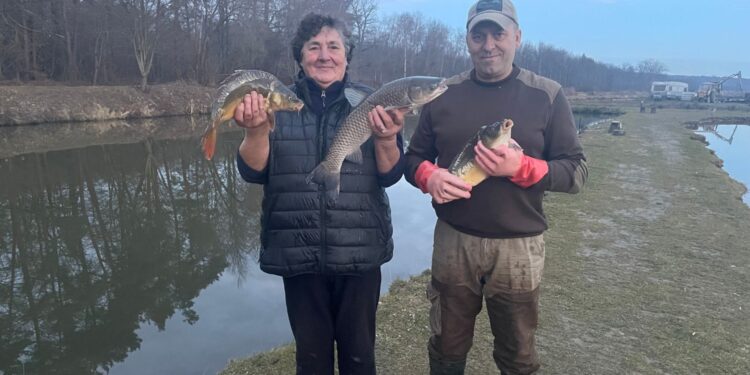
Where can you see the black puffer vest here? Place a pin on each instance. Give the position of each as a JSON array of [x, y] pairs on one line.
[[303, 231]]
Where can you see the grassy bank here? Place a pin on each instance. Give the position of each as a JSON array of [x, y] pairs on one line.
[[647, 270]]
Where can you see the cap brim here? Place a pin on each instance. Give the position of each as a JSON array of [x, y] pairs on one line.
[[495, 17]]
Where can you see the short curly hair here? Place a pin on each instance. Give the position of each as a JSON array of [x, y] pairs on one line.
[[311, 25]]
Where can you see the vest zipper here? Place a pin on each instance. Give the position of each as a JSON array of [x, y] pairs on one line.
[[322, 140]]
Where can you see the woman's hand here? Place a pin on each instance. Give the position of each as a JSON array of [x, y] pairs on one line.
[[386, 124], [251, 112]]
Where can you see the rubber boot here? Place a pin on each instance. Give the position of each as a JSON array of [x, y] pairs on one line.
[[443, 367]]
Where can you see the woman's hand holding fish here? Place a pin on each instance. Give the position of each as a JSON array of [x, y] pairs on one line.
[[251, 112], [445, 187], [503, 161], [386, 124]]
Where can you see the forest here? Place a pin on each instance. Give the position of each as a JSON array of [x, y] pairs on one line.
[[143, 42]]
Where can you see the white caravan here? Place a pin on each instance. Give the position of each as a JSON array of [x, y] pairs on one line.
[[670, 90]]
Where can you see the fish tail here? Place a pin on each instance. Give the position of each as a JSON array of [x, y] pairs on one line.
[[328, 178], [208, 140]]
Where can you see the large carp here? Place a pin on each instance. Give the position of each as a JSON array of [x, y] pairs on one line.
[[230, 93], [405, 93], [491, 136]]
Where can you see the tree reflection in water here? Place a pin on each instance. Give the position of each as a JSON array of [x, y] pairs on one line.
[[96, 241]]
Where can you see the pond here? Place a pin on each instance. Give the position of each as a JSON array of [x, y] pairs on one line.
[[123, 251], [731, 142]]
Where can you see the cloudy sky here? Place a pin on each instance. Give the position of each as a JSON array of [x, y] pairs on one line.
[[708, 37]]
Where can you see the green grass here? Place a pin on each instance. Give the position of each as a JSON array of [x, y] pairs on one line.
[[647, 270]]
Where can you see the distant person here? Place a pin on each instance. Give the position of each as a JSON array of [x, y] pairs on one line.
[[643, 107], [328, 252], [488, 240]]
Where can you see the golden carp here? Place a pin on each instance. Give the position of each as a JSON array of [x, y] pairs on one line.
[[231, 92], [491, 136], [405, 93]]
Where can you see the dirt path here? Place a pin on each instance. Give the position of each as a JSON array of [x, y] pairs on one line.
[[647, 270]]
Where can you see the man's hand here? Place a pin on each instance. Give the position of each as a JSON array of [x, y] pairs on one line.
[[503, 161], [386, 124], [251, 112], [445, 187]]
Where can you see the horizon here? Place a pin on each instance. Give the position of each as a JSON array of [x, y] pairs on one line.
[[595, 26]]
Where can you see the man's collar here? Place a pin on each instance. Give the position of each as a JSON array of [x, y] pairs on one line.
[[513, 74]]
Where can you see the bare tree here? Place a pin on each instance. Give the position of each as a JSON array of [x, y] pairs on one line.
[[69, 10], [99, 52], [363, 18], [651, 66], [145, 35]]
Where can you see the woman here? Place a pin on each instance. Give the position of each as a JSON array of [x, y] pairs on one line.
[[328, 252]]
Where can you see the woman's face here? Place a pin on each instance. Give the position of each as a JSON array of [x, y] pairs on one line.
[[324, 57]]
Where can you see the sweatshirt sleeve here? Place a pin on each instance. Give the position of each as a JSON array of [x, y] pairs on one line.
[[563, 152], [421, 146], [392, 176]]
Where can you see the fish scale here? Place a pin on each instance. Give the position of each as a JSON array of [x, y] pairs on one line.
[[256, 79], [492, 136], [394, 96], [233, 89], [408, 92]]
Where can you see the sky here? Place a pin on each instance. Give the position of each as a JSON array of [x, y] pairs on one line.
[[690, 37]]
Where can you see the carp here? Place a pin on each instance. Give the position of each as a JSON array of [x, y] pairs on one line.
[[491, 136], [404, 93], [231, 92]]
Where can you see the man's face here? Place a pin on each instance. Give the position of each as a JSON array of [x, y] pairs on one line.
[[324, 57], [492, 50]]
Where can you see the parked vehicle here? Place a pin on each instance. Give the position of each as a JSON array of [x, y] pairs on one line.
[[615, 128], [713, 92], [670, 90]]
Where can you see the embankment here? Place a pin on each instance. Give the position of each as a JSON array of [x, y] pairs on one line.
[[26, 104]]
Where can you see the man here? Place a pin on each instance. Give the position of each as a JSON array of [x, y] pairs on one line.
[[488, 239], [329, 252]]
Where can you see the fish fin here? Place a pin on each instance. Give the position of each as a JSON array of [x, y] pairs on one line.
[[208, 139], [208, 142], [355, 156], [407, 106], [354, 96], [328, 179]]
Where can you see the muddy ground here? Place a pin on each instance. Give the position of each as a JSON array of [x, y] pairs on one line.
[[647, 270]]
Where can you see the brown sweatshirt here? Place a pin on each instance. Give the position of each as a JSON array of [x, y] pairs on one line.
[[543, 127]]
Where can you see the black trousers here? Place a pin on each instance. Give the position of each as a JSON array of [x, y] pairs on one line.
[[324, 309]]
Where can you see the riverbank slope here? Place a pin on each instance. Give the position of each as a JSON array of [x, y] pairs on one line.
[[28, 104], [646, 272]]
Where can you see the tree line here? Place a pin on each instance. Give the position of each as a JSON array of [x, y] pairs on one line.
[[154, 41]]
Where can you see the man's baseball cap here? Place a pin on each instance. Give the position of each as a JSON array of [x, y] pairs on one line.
[[501, 12]]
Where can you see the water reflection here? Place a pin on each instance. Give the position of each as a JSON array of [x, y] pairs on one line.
[[133, 255], [96, 241], [731, 142]]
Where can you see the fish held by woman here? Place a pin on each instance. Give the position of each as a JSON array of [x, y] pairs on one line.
[[491, 136], [404, 93], [233, 89]]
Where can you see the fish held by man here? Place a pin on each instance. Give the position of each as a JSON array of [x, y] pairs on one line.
[[491, 136], [233, 89], [405, 93]]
